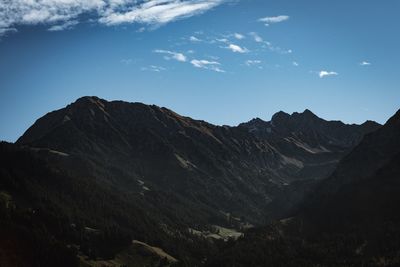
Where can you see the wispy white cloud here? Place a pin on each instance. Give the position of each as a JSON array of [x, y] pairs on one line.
[[295, 63], [222, 40], [237, 49], [256, 37], [64, 26], [171, 55], [267, 45], [4, 31], [238, 36], [205, 64], [365, 63], [158, 11], [252, 62], [58, 13], [213, 57], [153, 68], [194, 39], [271, 20], [324, 73]]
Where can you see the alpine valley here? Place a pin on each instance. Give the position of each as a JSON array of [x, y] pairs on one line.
[[101, 183]]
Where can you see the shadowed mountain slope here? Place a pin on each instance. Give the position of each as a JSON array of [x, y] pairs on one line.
[[365, 187], [349, 219], [211, 170]]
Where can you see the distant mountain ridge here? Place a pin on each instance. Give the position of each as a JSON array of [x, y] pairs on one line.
[[332, 132], [235, 170]]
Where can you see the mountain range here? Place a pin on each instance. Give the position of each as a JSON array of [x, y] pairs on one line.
[[95, 175], [220, 170]]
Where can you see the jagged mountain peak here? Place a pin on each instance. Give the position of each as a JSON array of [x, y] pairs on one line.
[[307, 111], [280, 115], [306, 115], [256, 120], [369, 122], [88, 98], [369, 125], [306, 127]]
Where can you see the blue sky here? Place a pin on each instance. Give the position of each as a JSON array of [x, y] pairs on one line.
[[221, 61]]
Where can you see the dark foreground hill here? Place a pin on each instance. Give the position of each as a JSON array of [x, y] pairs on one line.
[[351, 219], [93, 176]]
